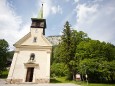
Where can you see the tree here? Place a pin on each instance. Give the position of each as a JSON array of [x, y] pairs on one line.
[[3, 54], [67, 49], [58, 70], [9, 58], [96, 59], [83, 55], [67, 53]]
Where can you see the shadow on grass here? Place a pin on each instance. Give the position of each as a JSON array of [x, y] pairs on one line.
[[53, 80]]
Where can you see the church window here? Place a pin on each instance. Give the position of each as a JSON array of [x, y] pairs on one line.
[[35, 39], [32, 56]]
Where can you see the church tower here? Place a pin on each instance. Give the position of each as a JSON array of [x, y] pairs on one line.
[[31, 60]]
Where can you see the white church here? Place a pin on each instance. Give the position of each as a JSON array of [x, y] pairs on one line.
[[31, 60]]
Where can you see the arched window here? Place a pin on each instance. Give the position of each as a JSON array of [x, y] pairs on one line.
[[32, 56]]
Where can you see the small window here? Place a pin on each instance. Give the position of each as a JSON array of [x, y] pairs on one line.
[[35, 39], [32, 56]]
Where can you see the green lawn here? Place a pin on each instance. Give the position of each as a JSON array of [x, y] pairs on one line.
[[98, 85], [63, 80]]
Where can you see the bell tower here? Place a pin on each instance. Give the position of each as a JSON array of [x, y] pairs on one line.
[[39, 22]]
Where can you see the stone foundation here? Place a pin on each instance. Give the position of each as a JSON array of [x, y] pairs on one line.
[[17, 81], [42, 81], [14, 81]]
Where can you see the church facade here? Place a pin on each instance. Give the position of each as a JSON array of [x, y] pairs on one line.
[[31, 60]]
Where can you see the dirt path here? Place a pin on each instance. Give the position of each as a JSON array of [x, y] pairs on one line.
[[3, 83]]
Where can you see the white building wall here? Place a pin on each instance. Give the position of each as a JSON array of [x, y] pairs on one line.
[[42, 58], [24, 48], [10, 75]]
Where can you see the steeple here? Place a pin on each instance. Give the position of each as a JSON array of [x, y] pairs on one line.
[[39, 22], [40, 14]]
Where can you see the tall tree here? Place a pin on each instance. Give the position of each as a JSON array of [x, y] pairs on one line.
[[67, 48], [3, 54]]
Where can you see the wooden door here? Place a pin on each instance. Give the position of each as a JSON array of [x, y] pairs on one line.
[[29, 75]]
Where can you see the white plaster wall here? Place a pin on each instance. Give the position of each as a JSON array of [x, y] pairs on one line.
[[20, 70], [48, 65], [11, 71], [42, 58], [39, 35], [42, 71]]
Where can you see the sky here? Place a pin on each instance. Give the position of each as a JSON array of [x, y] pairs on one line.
[[94, 17]]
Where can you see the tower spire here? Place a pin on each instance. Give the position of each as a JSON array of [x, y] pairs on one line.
[[40, 14]]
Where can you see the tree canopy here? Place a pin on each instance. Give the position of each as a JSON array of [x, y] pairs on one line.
[[3, 54], [80, 54]]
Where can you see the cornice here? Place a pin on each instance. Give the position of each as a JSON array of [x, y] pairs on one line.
[[35, 48]]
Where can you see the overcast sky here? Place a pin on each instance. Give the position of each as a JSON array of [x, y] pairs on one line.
[[94, 17]]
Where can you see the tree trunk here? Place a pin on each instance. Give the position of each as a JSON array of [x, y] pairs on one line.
[[74, 75]]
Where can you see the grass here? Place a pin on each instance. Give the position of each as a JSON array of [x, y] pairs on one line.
[[94, 84], [59, 80], [63, 80]]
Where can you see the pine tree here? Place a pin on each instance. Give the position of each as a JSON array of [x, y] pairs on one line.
[[67, 50]]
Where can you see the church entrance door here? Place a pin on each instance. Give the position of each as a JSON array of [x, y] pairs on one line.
[[29, 75]]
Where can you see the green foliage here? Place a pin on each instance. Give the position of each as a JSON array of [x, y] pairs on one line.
[[55, 54], [66, 51], [96, 49], [3, 54], [10, 54], [58, 69], [97, 60], [83, 55], [4, 74]]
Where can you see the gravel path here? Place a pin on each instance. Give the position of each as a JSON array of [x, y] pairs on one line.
[[2, 83], [64, 84]]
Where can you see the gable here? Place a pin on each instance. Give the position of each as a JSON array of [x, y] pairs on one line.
[[27, 40], [22, 39]]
